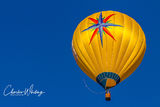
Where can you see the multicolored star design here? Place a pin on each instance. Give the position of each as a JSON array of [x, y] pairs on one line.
[[100, 26]]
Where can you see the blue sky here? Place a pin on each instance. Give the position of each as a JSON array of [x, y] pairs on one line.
[[35, 48]]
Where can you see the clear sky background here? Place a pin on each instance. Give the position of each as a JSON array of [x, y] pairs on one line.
[[35, 48]]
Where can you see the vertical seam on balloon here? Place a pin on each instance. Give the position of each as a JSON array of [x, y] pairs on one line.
[[85, 67], [120, 44], [89, 69], [81, 62], [101, 62], [122, 55], [86, 50], [112, 47], [127, 46], [133, 50], [98, 70], [134, 47], [106, 54], [92, 52], [101, 49], [133, 59]]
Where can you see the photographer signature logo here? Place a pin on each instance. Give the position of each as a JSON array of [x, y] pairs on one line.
[[10, 91]]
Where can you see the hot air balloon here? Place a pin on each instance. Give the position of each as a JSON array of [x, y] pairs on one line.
[[108, 46]]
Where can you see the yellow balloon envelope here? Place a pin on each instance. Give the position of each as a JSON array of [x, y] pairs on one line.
[[108, 46]]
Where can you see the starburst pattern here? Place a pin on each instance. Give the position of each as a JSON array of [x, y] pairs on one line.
[[101, 25]]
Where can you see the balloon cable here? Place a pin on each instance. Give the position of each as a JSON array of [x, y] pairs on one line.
[[92, 91]]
